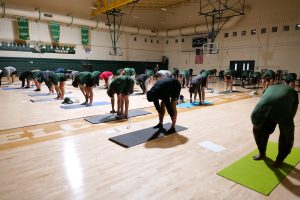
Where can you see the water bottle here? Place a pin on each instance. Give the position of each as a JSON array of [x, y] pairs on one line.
[[128, 123]]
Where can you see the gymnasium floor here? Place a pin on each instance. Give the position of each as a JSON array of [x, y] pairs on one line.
[[50, 153]]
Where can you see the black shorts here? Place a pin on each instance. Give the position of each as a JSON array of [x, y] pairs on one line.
[[14, 73], [129, 88]]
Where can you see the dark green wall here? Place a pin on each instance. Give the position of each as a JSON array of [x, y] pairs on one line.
[[25, 64]]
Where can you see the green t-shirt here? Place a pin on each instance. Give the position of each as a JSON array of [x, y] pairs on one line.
[[85, 78], [185, 73], [210, 72], [122, 84], [95, 74], [278, 103], [204, 73], [150, 72], [129, 71], [291, 77], [269, 74], [57, 77], [256, 75], [36, 73], [228, 72]]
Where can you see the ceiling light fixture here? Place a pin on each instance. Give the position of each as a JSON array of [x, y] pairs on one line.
[[164, 9]]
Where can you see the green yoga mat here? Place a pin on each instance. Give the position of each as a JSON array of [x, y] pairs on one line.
[[261, 176]]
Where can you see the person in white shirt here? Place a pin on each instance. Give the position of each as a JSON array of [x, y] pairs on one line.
[[162, 74], [10, 72]]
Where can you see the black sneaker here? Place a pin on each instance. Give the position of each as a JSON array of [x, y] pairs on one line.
[[170, 131], [27, 87], [37, 90], [160, 126]]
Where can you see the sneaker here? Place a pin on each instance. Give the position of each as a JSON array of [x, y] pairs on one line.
[[170, 131], [160, 126], [259, 157], [37, 90], [27, 87]]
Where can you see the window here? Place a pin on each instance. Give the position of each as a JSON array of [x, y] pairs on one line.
[[145, 39], [243, 33], [263, 30], [157, 41], [134, 39], [274, 29], [182, 39], [286, 28], [167, 42], [151, 41], [297, 27], [226, 35], [176, 41], [234, 34], [253, 31]]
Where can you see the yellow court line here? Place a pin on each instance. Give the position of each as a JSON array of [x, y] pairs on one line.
[[24, 136]]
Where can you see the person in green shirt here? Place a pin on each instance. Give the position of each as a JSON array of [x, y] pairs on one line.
[[198, 85], [184, 78], [35, 74], [120, 71], [123, 87], [150, 74], [278, 105], [290, 79], [25, 76], [129, 72], [86, 82], [228, 78], [255, 79], [245, 78], [54, 79], [268, 79], [58, 80]]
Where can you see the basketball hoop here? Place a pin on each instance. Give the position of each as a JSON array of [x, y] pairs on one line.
[[210, 48]]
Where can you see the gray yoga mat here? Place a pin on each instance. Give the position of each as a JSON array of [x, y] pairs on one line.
[[75, 106], [35, 94], [110, 117], [228, 92], [142, 136], [43, 100]]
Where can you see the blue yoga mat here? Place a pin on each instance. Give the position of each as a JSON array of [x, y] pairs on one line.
[[190, 105], [16, 88], [43, 94], [75, 106]]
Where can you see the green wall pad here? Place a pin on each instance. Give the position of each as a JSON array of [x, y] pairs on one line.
[[261, 176]]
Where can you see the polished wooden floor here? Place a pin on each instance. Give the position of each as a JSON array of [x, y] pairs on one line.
[[50, 153]]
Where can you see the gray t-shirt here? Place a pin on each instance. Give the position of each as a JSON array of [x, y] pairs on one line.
[[9, 70], [164, 73]]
